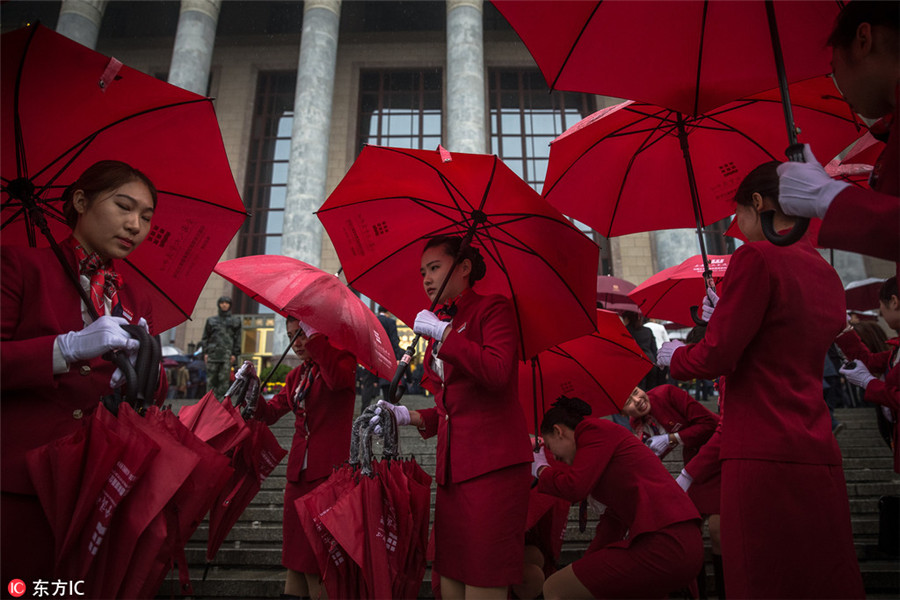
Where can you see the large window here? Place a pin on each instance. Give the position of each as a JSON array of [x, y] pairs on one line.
[[400, 108], [267, 167], [525, 118]]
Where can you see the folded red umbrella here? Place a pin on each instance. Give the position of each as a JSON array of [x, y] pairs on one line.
[[253, 460], [216, 423], [393, 200], [601, 368], [81, 480], [294, 288], [419, 486], [670, 294]]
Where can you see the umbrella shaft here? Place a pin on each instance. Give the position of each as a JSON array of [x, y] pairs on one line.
[[782, 76]]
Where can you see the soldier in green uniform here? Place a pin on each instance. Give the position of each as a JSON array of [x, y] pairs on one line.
[[221, 346]]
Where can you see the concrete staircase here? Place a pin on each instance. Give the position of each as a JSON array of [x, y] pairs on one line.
[[248, 562]]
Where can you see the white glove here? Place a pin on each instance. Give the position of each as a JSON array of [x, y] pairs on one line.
[[664, 355], [118, 378], [805, 189], [308, 330], [658, 443], [540, 460], [99, 337], [684, 480], [400, 412], [429, 325], [709, 304], [858, 375]]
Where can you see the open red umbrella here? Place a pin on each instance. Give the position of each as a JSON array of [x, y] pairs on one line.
[[601, 368], [612, 294], [294, 288], [670, 294], [64, 107], [687, 55], [393, 200]]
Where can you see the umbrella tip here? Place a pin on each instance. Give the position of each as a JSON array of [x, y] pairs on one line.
[[445, 154]]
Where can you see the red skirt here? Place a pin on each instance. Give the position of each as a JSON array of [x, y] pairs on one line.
[[479, 527], [296, 552], [786, 531], [706, 496], [652, 566]]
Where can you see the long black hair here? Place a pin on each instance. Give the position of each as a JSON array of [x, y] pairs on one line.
[[565, 411], [451, 245]]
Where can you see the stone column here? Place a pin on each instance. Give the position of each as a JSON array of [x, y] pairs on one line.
[[79, 20], [302, 237], [194, 40], [466, 121], [673, 246]]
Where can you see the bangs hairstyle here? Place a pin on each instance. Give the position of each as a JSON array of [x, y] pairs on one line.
[[451, 245], [99, 177], [888, 289], [762, 180]]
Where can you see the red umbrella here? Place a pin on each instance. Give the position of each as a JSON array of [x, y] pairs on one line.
[[392, 200], [65, 107], [612, 294], [686, 58], [670, 294], [601, 368], [292, 287], [216, 423], [863, 294]]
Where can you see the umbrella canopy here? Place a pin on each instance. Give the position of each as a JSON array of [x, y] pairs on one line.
[[393, 200], [670, 293], [294, 288], [609, 169], [57, 120], [601, 368], [685, 59], [612, 294], [863, 294]]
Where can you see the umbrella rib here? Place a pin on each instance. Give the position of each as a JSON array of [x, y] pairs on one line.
[[86, 141], [202, 201], [447, 183], [700, 57], [157, 288], [671, 286], [587, 22]]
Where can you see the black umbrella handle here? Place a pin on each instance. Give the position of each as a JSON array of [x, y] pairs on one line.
[[794, 151]]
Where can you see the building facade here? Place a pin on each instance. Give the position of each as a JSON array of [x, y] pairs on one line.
[[300, 87]]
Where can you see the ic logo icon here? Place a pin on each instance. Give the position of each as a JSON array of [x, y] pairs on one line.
[[16, 588]]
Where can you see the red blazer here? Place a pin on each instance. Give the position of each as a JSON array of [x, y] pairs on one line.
[[615, 468], [886, 392], [768, 336], [477, 418], [867, 221], [678, 412], [324, 428], [38, 303]]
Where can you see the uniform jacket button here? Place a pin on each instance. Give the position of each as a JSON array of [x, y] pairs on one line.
[[85, 370], [77, 413]]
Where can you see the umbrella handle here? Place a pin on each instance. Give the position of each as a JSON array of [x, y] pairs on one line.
[[696, 317], [767, 219], [395, 393]]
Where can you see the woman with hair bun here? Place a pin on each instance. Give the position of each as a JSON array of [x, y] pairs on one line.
[[53, 373], [483, 453], [781, 466], [648, 540]]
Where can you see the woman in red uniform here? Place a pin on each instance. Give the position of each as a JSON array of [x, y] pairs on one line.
[[781, 467], [320, 393], [650, 542], [884, 389], [667, 417], [483, 453], [53, 375]]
